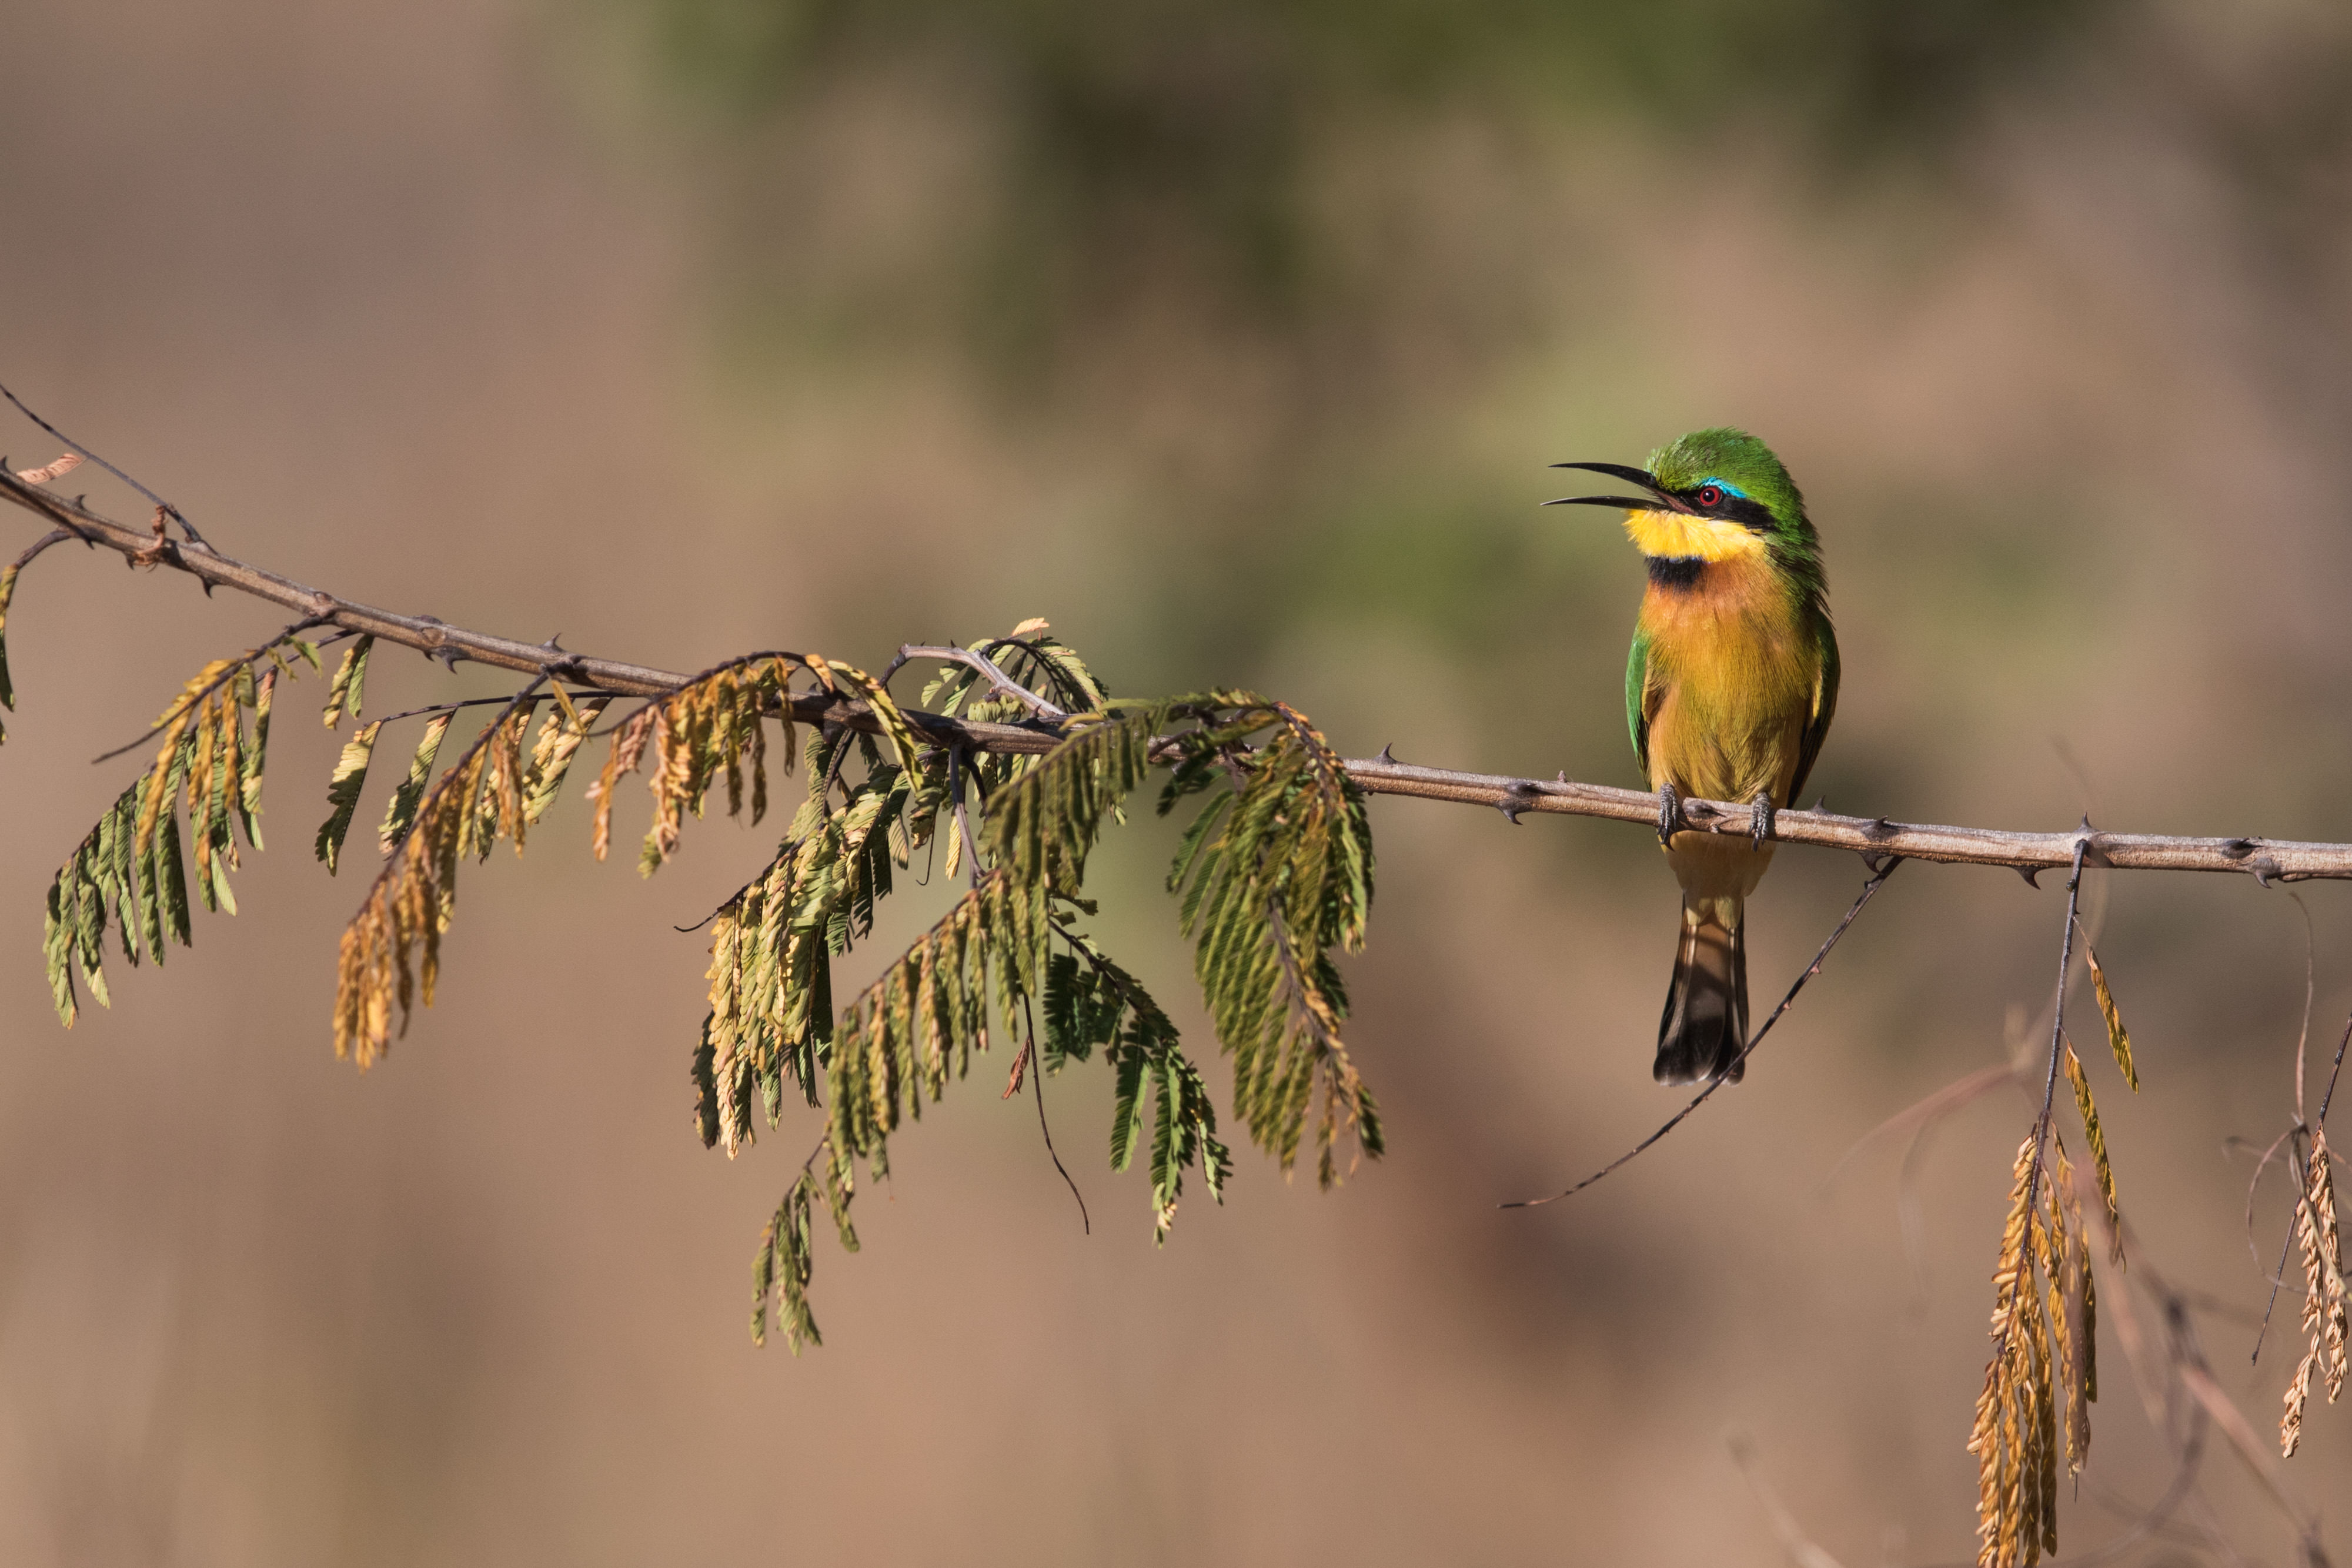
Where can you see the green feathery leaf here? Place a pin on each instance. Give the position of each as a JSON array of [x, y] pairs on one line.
[[1282, 875], [343, 793], [350, 679], [254, 694], [400, 813]]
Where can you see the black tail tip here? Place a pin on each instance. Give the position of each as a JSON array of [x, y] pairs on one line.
[[1703, 1031], [1700, 1057]]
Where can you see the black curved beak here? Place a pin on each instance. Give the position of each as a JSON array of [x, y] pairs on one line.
[[1657, 500]]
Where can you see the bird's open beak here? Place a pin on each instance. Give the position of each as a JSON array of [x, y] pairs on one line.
[[1657, 500]]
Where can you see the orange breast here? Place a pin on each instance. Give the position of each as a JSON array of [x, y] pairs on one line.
[[1730, 682]]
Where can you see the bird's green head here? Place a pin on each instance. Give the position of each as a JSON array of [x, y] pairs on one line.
[[1739, 466], [1712, 494]]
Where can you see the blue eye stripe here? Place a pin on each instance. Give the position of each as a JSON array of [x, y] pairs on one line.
[[1727, 489]]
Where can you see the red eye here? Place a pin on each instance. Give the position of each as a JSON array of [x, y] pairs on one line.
[[1710, 496]]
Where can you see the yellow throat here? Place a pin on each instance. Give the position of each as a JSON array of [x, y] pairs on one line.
[[1680, 534]]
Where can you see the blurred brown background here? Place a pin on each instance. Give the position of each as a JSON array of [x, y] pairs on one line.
[[1235, 340]]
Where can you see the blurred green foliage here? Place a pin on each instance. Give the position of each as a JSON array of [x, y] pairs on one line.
[[1135, 137]]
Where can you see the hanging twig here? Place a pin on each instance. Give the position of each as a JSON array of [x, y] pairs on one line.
[[192, 699], [1038, 1082], [1879, 872]]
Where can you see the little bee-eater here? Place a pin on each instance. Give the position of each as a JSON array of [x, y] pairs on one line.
[[1729, 690]]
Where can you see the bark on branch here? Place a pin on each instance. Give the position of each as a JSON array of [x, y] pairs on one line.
[[2267, 860]]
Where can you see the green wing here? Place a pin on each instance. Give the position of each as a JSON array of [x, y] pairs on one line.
[[1637, 691], [1825, 689]]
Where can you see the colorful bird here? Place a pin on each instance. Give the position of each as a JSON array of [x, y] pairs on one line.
[[1731, 687]]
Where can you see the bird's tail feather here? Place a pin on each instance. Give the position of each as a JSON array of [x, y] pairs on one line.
[[1706, 1020]]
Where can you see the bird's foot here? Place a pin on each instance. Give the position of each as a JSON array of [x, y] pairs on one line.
[[1760, 818], [1670, 820]]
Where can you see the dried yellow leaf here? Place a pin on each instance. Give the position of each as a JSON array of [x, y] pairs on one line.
[[2118, 1038], [2098, 1142]]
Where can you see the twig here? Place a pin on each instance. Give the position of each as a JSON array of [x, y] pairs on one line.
[[1922, 1115], [171, 511], [33, 550], [2057, 1039], [2294, 1137], [190, 701], [2310, 989], [1879, 872], [1038, 1082], [2234, 1426], [448, 708], [972, 658], [956, 787], [2334, 1072], [2253, 1185], [2266, 860]]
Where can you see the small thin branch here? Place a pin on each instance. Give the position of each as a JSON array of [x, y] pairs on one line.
[[33, 550], [957, 783], [2334, 1072], [216, 682], [2254, 1187], [170, 510], [729, 901], [1879, 872], [1038, 1082], [450, 707], [2294, 1137], [974, 660], [2310, 989], [2057, 1034], [1917, 1117]]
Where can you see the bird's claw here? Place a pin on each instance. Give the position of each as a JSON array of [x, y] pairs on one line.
[[1759, 819], [1670, 820]]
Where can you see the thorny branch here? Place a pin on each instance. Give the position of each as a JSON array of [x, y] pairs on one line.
[[1883, 845], [2267, 860]]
